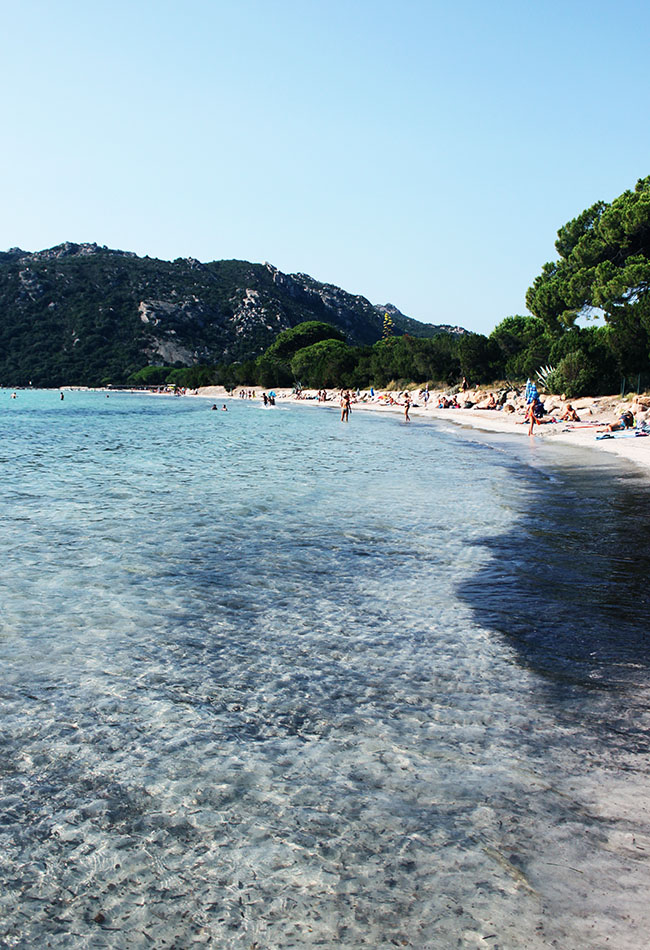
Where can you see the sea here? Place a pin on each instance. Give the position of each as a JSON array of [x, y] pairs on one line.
[[268, 680]]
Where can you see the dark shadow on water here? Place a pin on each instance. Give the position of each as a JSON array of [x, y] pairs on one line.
[[568, 587]]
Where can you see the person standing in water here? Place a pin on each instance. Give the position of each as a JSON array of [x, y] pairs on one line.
[[407, 406], [345, 406]]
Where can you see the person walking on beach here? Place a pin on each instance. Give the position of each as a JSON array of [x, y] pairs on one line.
[[532, 416], [345, 406]]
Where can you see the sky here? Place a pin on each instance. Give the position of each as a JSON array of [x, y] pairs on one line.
[[418, 153]]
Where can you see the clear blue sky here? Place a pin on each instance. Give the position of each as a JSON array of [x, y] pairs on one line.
[[422, 153]]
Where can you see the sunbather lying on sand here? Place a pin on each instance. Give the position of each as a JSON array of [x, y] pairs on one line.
[[625, 421]]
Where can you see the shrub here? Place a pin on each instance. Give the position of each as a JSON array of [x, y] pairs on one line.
[[574, 376]]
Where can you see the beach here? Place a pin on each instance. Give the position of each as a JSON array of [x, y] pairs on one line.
[[591, 410]]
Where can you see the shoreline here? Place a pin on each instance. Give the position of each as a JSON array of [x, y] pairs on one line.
[[496, 422], [595, 413]]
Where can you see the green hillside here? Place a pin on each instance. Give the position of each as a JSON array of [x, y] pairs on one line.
[[86, 315]]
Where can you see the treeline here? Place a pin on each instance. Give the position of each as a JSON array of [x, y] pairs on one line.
[[315, 355], [603, 270]]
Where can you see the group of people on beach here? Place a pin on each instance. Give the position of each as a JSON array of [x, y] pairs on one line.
[[529, 403], [267, 398], [535, 411], [448, 403], [345, 401]]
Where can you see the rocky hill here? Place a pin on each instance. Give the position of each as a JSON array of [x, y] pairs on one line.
[[84, 314]]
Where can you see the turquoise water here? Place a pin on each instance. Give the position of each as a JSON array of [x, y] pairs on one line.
[[273, 681]]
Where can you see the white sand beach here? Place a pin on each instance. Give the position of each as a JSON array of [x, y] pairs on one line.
[[595, 414]]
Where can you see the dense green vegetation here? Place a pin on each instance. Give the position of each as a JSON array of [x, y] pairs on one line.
[[583, 361], [603, 271], [88, 315]]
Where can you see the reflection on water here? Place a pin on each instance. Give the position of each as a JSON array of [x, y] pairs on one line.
[[270, 682]]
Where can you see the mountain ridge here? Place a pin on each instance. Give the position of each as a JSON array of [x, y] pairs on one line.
[[87, 314]]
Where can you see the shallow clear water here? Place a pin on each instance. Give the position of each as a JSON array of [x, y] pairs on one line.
[[273, 681]]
